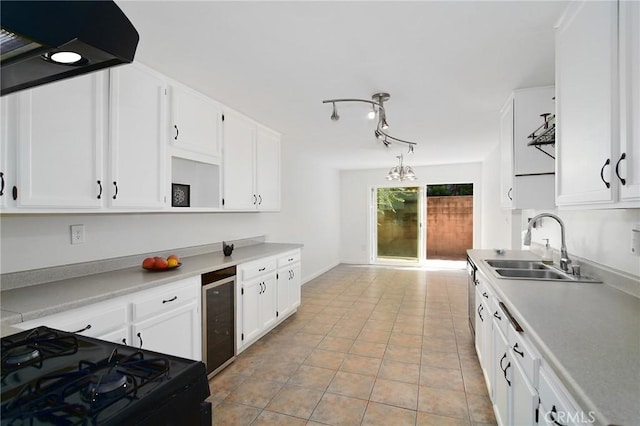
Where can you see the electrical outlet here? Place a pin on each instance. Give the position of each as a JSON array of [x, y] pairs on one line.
[[77, 234]]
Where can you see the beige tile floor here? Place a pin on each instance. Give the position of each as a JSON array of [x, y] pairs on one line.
[[368, 346]]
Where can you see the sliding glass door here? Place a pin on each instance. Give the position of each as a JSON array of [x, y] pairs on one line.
[[399, 212]]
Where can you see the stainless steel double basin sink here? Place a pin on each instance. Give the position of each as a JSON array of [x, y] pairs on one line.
[[532, 270]]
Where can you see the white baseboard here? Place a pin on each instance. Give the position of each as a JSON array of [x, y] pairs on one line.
[[316, 274]]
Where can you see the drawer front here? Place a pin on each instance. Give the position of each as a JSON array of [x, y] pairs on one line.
[[257, 268], [289, 258], [164, 299], [498, 316], [522, 352], [92, 321]]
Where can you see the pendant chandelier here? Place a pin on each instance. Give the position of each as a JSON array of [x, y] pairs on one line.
[[401, 172], [377, 109]]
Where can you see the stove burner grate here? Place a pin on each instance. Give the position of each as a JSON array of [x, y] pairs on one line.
[[85, 392], [33, 349]]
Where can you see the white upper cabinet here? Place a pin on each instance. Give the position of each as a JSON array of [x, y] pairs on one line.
[[267, 169], [627, 166], [527, 179], [251, 165], [195, 121], [238, 162], [589, 89], [7, 134], [137, 138], [506, 155], [60, 140]]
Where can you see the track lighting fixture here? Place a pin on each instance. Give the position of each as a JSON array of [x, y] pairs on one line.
[[377, 104], [401, 173], [334, 114]]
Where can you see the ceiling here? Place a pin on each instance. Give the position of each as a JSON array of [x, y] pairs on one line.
[[449, 66]]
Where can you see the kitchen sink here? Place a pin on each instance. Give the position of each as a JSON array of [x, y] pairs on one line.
[[546, 274], [516, 264], [516, 269]]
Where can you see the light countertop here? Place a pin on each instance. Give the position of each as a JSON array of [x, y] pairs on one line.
[[588, 333], [27, 303]]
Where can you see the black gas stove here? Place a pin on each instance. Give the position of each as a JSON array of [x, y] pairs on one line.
[[59, 378]]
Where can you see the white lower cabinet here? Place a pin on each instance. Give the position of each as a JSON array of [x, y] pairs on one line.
[[523, 389], [165, 319], [257, 301], [501, 383], [171, 332], [104, 320], [288, 284], [268, 292]]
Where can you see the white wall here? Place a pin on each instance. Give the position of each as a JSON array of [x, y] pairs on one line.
[[309, 215], [355, 190]]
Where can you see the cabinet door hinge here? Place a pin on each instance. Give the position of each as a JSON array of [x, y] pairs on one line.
[[242, 336], [242, 290], [277, 314], [223, 201], [222, 117], [277, 276]]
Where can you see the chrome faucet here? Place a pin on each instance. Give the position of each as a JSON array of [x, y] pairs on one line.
[[564, 256]]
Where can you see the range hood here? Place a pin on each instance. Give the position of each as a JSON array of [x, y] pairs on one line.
[[45, 41]]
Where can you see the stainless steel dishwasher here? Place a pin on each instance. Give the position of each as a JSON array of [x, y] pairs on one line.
[[218, 319]]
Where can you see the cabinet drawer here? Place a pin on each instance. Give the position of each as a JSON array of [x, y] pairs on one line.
[[164, 299], [92, 321], [498, 315], [289, 258], [522, 352], [257, 268]]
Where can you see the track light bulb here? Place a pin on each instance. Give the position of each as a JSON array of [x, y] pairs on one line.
[[372, 114], [334, 114]]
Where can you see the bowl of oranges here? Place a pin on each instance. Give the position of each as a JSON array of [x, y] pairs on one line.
[[157, 263]]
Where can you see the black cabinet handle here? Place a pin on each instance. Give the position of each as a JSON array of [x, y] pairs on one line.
[[505, 373], [14, 192], [606, 163], [140, 337], [124, 341], [116, 186], [170, 300], [509, 194], [100, 193], [88, 327], [515, 349], [622, 180], [262, 269], [177, 132], [259, 200], [2, 185], [554, 413], [480, 308], [290, 259], [485, 295], [497, 315], [504, 369]]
